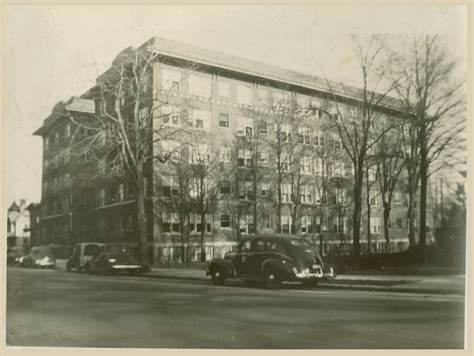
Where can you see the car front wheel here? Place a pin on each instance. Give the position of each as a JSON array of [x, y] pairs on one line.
[[218, 278], [271, 280]]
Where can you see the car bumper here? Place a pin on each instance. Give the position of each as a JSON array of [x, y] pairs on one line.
[[315, 274], [126, 267]]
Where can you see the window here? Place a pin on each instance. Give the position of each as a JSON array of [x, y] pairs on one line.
[[246, 191], [200, 85], [318, 138], [170, 80], [244, 126], [264, 157], [374, 200], [305, 164], [170, 187], [224, 88], [244, 94], [225, 153], [171, 115], [66, 205], [306, 225], [265, 189], [244, 157], [336, 143], [244, 246], [306, 194], [67, 130], [353, 112], [340, 224], [303, 135], [101, 197], [286, 192], [263, 127], [225, 187], [201, 119], [285, 133], [318, 224], [121, 192], [375, 226], [200, 153], [285, 224], [224, 120], [318, 166], [46, 143], [56, 138], [341, 196], [225, 221], [246, 224], [195, 224], [170, 222], [266, 221]]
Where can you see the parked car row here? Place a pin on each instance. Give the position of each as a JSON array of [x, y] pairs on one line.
[[37, 257], [271, 259]]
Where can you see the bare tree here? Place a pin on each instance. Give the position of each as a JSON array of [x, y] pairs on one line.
[[356, 133], [435, 101], [208, 173], [129, 123]]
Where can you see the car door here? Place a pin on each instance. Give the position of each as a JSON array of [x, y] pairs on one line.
[[240, 259], [256, 257]]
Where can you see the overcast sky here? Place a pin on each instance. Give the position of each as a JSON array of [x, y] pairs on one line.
[[53, 53]]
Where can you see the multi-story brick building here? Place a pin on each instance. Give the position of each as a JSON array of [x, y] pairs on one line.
[[225, 104]]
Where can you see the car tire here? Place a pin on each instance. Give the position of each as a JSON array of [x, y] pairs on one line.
[[271, 279], [68, 268], [217, 277]]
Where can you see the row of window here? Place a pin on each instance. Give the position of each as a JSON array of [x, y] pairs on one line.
[[56, 207], [307, 224], [114, 194], [62, 157], [54, 139], [55, 184]]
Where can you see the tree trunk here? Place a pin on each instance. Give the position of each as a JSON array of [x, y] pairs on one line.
[[423, 196], [356, 216], [410, 217], [255, 215], [369, 233], [386, 217], [203, 232], [141, 220]]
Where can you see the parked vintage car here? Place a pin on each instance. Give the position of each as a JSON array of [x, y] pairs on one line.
[[14, 256], [113, 258], [271, 259], [39, 257], [82, 256]]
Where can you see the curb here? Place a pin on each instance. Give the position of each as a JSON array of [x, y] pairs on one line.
[[325, 285]]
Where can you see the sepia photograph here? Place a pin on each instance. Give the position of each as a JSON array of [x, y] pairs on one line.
[[251, 177]]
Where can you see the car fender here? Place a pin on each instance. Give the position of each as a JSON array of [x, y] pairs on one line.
[[281, 266], [222, 264]]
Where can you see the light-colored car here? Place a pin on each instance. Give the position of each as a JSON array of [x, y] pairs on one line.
[[39, 257]]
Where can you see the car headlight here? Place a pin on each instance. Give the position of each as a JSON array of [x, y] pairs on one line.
[[112, 260]]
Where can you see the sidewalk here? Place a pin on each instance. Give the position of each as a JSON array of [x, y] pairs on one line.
[[391, 283]]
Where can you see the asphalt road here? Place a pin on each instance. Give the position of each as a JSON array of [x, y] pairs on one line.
[[56, 308]]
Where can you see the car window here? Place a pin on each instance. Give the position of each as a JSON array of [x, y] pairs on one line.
[[274, 246], [91, 250], [244, 246], [258, 245]]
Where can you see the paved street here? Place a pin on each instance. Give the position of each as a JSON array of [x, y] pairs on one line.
[[56, 308]]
